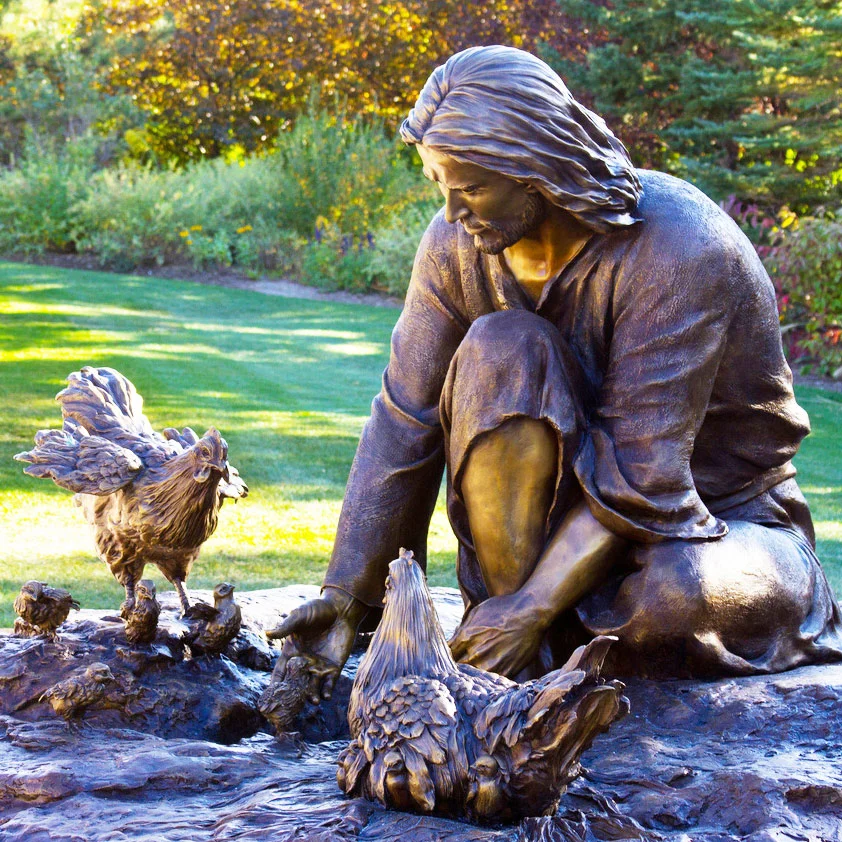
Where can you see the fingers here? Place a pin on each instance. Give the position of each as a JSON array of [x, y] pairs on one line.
[[311, 618], [327, 686]]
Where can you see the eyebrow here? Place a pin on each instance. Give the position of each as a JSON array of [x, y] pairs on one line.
[[432, 177]]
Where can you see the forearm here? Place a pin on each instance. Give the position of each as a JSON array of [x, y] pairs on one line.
[[577, 559]]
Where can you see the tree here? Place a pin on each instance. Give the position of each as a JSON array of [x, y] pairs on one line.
[[740, 97], [217, 74]]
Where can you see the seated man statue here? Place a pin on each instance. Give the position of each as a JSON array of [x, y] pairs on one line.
[[593, 352]]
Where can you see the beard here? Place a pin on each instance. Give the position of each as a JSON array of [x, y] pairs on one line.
[[495, 237]]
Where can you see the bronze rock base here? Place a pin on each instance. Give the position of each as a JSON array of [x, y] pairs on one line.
[[756, 759]]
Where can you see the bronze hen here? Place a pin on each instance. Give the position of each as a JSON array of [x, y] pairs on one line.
[[149, 498], [432, 736], [42, 609]]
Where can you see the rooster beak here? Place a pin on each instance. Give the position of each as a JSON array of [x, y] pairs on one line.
[[225, 473]]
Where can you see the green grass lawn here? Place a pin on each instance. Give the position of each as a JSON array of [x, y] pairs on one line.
[[287, 381]]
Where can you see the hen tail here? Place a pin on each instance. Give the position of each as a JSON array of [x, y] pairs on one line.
[[80, 462]]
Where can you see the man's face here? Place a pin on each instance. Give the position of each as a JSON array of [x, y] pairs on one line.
[[495, 209]]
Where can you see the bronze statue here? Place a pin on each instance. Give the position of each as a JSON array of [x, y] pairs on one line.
[[286, 694], [594, 353], [433, 737], [142, 619], [42, 609], [149, 498], [213, 627], [70, 698]]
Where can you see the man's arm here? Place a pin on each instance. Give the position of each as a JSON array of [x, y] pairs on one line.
[[395, 477], [503, 633]]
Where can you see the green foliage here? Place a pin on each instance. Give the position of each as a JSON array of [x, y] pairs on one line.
[[36, 199], [389, 264], [740, 98], [312, 209], [219, 74], [807, 266], [131, 217], [339, 172], [48, 82]]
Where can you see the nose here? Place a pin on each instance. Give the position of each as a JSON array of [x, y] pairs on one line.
[[454, 207]]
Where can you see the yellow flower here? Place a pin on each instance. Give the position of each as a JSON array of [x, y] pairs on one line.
[[183, 233], [243, 229], [189, 242], [195, 227]]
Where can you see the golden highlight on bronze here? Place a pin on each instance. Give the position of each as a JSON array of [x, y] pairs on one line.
[[149, 498], [431, 736]]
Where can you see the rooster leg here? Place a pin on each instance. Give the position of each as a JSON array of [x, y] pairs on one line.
[[128, 606], [182, 596]]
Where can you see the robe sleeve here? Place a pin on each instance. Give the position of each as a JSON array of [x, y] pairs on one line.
[[397, 470], [673, 303]]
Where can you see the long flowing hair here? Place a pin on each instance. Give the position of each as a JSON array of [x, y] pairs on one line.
[[507, 111]]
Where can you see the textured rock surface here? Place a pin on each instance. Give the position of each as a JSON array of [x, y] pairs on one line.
[[751, 759]]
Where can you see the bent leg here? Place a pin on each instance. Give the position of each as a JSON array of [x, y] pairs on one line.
[[512, 415], [508, 485], [755, 601]]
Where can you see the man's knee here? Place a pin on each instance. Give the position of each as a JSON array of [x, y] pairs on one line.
[[496, 336]]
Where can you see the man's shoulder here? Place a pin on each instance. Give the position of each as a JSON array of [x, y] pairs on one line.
[[670, 203], [680, 217], [440, 233]]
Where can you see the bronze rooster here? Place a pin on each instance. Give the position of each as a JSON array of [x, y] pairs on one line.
[[150, 498], [432, 736], [42, 609]]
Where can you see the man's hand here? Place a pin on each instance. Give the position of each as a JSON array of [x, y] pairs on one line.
[[500, 635], [323, 630]]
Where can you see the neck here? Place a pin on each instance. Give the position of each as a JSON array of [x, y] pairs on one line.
[[541, 254]]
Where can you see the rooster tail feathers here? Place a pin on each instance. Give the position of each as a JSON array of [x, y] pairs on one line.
[[553, 694], [80, 462], [104, 402], [186, 438], [591, 656]]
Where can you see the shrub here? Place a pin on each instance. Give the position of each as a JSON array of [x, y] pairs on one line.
[[130, 217], [389, 265], [807, 267], [342, 170], [35, 200]]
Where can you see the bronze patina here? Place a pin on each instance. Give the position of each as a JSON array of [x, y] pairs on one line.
[[149, 498], [431, 736], [593, 353]]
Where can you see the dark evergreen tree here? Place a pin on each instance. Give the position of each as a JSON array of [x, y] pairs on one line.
[[741, 98]]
